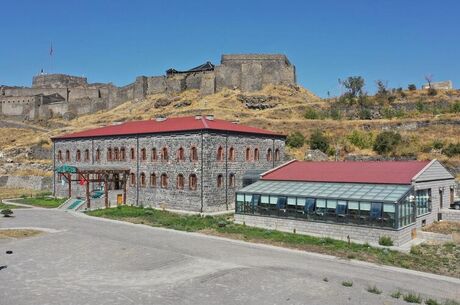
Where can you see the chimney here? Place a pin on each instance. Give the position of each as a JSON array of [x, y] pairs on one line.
[[160, 118], [210, 117], [198, 117]]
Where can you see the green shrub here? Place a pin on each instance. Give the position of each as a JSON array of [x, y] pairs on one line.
[[412, 87], [335, 114], [295, 139], [385, 241], [361, 139], [437, 144], [365, 114], [311, 114], [432, 302], [374, 289], [452, 150], [455, 107], [412, 298], [432, 92], [451, 302], [6, 212], [386, 142], [421, 106], [396, 294], [319, 141], [347, 283]]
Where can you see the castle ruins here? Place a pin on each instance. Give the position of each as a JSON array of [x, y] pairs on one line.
[[70, 96]]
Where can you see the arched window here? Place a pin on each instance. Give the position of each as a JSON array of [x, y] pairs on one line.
[[154, 154], [116, 154], [86, 154], [194, 154], [256, 154], [109, 154], [59, 155], [220, 154], [269, 154], [231, 154], [231, 180], [192, 182], [164, 154], [153, 180], [98, 155], [78, 156], [164, 181], [180, 154], [143, 154], [67, 155], [122, 154], [220, 180], [180, 182], [132, 179], [248, 154], [133, 154], [277, 154], [143, 180]]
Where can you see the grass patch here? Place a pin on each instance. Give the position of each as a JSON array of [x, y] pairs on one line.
[[374, 289], [440, 259], [347, 283], [385, 241], [451, 302], [443, 227], [396, 294], [432, 302], [18, 233], [412, 298], [42, 201], [10, 206]]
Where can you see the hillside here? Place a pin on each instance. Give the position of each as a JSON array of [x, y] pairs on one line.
[[421, 119]]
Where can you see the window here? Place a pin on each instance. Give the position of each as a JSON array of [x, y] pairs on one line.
[[86, 154], [59, 155], [133, 154], [192, 182], [180, 154], [256, 154], [353, 211], [164, 181], [116, 154], [132, 179], [153, 180], [406, 212], [78, 156], [180, 182], [220, 180], [154, 154], [231, 154], [143, 180], [388, 215], [277, 154], [194, 154], [164, 154], [269, 154], [341, 209], [364, 211], [220, 154], [67, 155], [376, 211], [231, 180], [452, 194], [143, 154], [248, 154], [109, 154], [98, 155], [423, 201], [122, 154]]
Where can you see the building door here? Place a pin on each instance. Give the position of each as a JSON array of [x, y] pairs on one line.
[[119, 199]]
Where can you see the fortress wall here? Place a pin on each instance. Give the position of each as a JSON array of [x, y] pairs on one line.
[[208, 83], [17, 105], [176, 83], [156, 84], [86, 105], [58, 81], [34, 91], [227, 76], [48, 111]]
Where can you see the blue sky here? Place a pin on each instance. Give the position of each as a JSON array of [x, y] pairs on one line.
[[115, 41]]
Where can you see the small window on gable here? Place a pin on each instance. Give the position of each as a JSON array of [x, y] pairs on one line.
[[116, 154], [220, 154], [256, 154], [98, 155], [231, 154], [248, 154], [180, 182], [194, 154], [133, 154], [109, 154], [78, 156], [180, 154], [122, 154], [67, 155], [143, 154], [154, 154], [86, 154], [269, 155], [164, 154], [277, 154], [59, 155]]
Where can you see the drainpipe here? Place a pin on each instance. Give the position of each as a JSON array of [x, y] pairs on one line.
[[202, 173], [273, 153], [226, 171], [137, 170], [54, 169]]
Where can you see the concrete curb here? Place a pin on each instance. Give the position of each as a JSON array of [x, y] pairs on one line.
[[8, 201], [276, 248]]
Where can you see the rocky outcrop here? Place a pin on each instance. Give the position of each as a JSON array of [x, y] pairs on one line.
[[258, 102]]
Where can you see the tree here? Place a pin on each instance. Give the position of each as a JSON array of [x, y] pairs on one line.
[[382, 90], [319, 141], [429, 79], [295, 139], [354, 85], [412, 87], [387, 142]]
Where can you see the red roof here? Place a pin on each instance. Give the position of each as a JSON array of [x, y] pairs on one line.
[[178, 124], [385, 172]]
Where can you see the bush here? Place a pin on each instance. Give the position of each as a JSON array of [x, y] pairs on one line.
[[455, 108], [361, 139], [295, 139], [365, 114], [386, 142], [452, 150], [432, 302], [335, 114], [396, 294], [438, 144], [432, 92], [374, 289], [311, 114], [6, 212], [412, 298], [347, 283], [412, 87], [319, 141], [385, 241]]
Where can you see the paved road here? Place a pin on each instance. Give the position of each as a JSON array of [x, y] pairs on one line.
[[85, 260]]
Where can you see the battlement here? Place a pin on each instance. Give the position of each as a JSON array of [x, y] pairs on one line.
[[58, 81], [245, 58]]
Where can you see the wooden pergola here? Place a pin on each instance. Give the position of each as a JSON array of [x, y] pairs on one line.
[[95, 173]]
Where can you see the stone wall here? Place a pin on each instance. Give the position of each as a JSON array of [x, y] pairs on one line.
[[450, 215], [58, 81], [323, 229], [27, 182]]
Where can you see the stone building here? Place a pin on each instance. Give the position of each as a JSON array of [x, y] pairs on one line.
[[361, 201], [246, 72], [445, 85], [189, 163]]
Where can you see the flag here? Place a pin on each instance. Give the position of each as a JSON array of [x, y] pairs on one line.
[[51, 49]]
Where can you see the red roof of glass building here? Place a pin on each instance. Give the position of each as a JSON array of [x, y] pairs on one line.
[[385, 172], [178, 124]]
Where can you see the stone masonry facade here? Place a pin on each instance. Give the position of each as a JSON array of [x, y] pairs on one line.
[[215, 190]]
